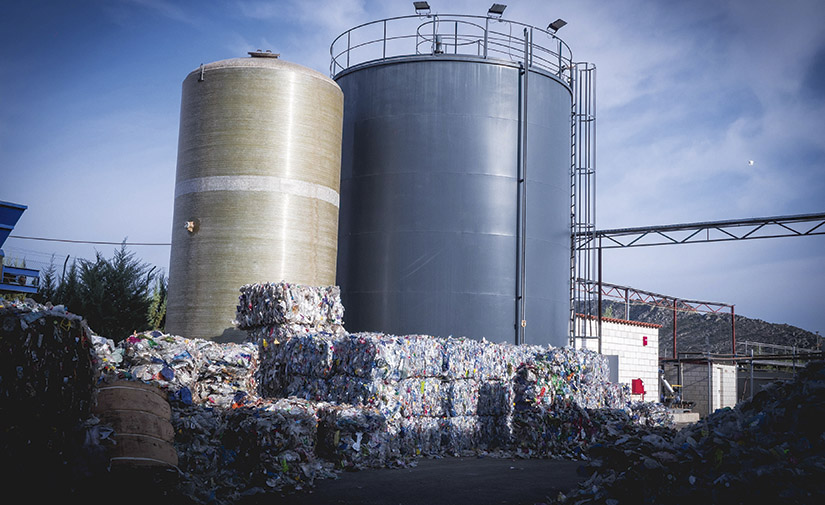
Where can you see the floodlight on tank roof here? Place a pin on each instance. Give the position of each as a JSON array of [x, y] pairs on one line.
[[556, 25], [421, 7], [496, 10]]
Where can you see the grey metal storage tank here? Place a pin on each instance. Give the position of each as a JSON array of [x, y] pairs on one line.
[[432, 238], [257, 187]]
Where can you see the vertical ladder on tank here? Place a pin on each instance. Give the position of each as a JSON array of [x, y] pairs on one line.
[[583, 203]]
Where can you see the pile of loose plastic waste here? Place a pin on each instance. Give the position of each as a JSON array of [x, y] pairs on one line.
[[770, 449], [651, 414], [193, 370], [304, 399]]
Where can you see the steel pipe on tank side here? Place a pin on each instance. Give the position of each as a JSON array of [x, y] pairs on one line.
[[435, 36], [486, 31], [522, 319], [519, 196]]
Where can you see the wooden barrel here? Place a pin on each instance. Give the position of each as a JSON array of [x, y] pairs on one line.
[[139, 414]]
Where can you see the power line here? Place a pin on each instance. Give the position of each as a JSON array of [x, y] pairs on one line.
[[26, 252], [94, 242]]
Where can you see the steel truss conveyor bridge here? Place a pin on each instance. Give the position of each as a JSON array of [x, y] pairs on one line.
[[711, 231], [587, 243]]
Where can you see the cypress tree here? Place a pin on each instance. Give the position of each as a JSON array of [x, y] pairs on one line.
[[115, 294], [157, 309], [47, 288], [68, 293]]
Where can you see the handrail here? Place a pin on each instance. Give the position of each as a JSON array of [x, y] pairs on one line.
[[455, 34]]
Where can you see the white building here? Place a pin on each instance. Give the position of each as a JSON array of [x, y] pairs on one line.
[[632, 348], [707, 389]]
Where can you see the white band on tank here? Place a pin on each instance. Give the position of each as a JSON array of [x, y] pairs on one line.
[[257, 183]]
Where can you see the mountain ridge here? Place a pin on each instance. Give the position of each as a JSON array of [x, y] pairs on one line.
[[703, 332]]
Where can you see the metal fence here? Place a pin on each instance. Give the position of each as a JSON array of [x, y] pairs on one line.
[[451, 34]]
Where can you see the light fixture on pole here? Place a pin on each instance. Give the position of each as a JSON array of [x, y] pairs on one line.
[[496, 10], [556, 25], [422, 8]]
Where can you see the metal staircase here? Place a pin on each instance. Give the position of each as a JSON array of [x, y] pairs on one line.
[[582, 196]]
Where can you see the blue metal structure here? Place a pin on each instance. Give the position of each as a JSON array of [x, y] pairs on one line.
[[14, 279], [456, 178]]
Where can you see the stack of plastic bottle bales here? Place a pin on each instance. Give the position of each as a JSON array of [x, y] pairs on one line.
[[434, 395]]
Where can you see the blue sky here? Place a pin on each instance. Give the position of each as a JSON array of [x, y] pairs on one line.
[[687, 93]]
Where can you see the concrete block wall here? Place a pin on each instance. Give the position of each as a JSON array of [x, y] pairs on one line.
[[626, 339], [723, 388]]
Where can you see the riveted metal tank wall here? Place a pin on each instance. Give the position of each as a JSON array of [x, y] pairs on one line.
[[257, 187], [428, 235]]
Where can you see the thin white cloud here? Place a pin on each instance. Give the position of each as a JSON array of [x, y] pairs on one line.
[[306, 28], [319, 13], [260, 9], [239, 45], [683, 112], [167, 9]]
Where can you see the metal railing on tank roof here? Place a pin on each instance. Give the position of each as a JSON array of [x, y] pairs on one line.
[[451, 34]]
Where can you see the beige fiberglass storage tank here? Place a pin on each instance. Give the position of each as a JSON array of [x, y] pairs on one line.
[[257, 187]]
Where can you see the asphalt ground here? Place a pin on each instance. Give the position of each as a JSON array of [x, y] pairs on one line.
[[449, 480]]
